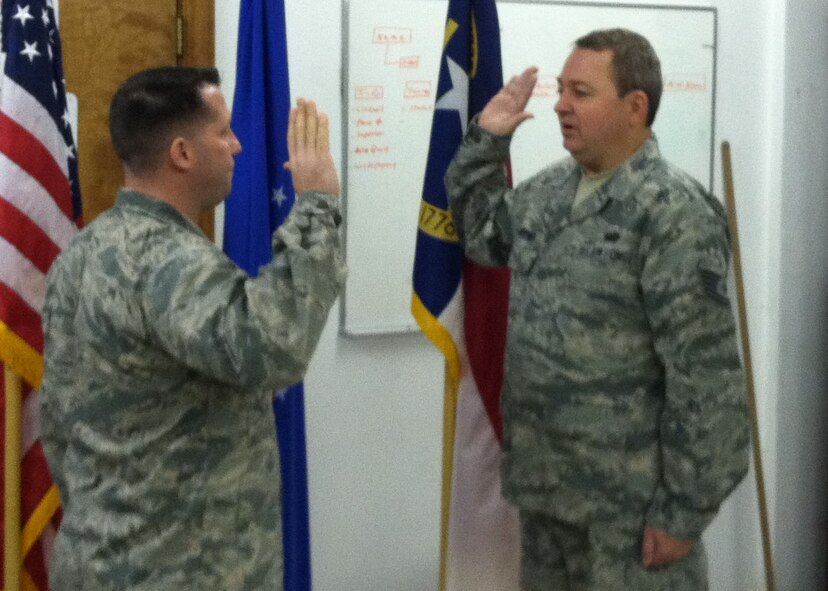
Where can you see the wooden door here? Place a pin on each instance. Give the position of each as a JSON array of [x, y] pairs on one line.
[[103, 44]]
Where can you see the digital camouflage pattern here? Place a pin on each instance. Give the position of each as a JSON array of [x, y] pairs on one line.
[[600, 557], [624, 392], [162, 359]]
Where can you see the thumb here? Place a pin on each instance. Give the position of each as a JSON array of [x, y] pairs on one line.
[[648, 547], [516, 120]]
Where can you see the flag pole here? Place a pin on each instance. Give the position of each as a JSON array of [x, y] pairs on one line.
[[740, 293], [12, 561], [449, 431]]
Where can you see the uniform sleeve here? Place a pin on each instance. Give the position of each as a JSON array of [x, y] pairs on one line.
[[478, 196], [251, 332], [704, 431], [59, 359]]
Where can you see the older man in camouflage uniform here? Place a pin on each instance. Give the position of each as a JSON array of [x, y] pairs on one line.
[[624, 408], [162, 356]]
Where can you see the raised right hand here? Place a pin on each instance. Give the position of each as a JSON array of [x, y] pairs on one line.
[[505, 111], [309, 149]]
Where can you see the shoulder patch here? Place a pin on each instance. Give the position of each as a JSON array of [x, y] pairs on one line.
[[715, 286]]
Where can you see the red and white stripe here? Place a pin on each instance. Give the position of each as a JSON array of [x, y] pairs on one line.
[[483, 549], [36, 223], [35, 207]]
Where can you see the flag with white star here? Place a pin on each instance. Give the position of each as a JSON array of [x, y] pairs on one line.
[[40, 212], [462, 309], [261, 199], [262, 194]]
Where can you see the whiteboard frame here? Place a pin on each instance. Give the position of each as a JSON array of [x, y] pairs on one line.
[[412, 328]]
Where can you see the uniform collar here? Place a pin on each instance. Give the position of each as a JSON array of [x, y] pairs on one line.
[[621, 184], [131, 199]]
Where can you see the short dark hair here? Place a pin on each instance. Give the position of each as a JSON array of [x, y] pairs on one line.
[[152, 104], [635, 63]]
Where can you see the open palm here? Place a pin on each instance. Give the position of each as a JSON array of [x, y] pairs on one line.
[[506, 110]]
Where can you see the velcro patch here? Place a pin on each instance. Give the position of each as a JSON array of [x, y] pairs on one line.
[[715, 286]]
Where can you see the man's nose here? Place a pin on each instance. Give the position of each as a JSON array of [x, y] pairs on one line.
[[562, 104]]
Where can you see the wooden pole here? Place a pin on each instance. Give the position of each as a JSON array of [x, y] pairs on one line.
[[754, 421], [12, 560], [452, 391]]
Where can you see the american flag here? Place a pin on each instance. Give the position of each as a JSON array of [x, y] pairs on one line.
[[40, 211]]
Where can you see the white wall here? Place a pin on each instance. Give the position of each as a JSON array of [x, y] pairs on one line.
[[374, 404], [802, 507], [748, 95]]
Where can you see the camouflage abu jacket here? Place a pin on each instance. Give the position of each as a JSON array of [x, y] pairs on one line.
[[623, 392], [162, 359]]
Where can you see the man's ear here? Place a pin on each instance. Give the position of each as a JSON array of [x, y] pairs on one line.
[[639, 105], [181, 154]]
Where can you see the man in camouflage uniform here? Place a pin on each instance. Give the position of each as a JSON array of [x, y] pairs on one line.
[[623, 400], [162, 356]]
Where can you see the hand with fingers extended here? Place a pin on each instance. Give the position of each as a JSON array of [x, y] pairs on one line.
[[505, 111], [309, 149]]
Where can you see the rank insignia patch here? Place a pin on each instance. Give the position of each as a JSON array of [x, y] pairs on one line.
[[715, 286]]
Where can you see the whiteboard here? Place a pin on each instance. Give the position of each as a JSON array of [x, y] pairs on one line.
[[391, 63]]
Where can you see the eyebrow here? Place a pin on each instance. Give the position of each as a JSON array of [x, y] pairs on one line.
[[573, 82]]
